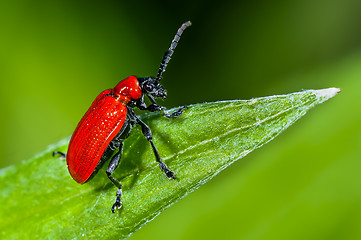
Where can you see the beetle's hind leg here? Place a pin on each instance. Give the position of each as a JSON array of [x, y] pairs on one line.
[[62, 155], [114, 162]]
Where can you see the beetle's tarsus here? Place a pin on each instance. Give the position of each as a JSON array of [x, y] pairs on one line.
[[117, 204], [169, 173], [62, 155], [175, 113]]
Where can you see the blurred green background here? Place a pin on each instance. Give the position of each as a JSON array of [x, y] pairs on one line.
[[56, 56]]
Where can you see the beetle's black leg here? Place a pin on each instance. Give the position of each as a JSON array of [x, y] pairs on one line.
[[148, 134], [155, 107], [114, 162], [62, 155], [175, 113]]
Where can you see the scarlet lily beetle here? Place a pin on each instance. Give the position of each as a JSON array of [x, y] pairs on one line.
[[109, 121]]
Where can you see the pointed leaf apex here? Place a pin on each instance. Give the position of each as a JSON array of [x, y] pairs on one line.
[[325, 94]]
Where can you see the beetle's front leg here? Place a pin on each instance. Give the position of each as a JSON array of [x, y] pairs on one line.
[[175, 113], [155, 107], [165, 113]]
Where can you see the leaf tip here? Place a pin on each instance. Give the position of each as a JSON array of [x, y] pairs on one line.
[[325, 94]]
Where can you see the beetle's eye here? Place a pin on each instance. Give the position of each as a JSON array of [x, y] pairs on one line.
[[148, 87]]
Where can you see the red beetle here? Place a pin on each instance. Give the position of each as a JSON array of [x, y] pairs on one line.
[[109, 121]]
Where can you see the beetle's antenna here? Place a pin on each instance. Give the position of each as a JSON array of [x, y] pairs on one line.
[[168, 54]]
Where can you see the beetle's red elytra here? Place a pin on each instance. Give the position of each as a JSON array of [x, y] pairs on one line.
[[109, 121], [100, 124]]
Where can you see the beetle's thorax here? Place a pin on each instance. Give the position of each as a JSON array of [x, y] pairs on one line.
[[127, 90]]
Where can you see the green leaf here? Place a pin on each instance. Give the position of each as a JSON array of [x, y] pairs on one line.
[[39, 199]]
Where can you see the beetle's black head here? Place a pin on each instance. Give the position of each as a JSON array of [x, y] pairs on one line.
[[152, 88]]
